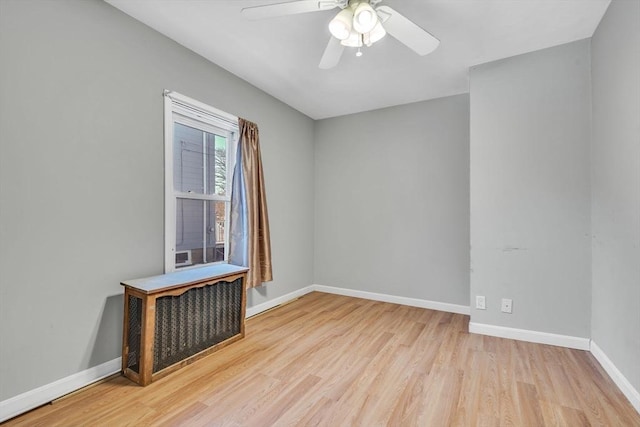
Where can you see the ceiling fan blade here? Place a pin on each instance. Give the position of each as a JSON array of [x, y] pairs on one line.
[[407, 32], [332, 54], [289, 8]]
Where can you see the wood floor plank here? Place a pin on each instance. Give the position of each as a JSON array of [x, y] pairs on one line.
[[443, 391], [528, 405], [267, 415], [331, 360]]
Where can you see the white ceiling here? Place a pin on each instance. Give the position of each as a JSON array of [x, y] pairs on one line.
[[281, 55]]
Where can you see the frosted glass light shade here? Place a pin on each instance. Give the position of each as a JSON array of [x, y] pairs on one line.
[[354, 40], [340, 26], [364, 18], [377, 33]]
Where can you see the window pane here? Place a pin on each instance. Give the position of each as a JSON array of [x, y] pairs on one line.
[[189, 232], [199, 232], [217, 230], [200, 158], [217, 165], [188, 166]]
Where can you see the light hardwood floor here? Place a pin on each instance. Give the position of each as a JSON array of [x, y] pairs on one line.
[[337, 361]]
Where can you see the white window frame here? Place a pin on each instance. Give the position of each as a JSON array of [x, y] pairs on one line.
[[188, 111]]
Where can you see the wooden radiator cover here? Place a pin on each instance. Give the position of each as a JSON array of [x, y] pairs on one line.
[[176, 318]]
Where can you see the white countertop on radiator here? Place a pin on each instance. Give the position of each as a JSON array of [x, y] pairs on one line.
[[183, 277]]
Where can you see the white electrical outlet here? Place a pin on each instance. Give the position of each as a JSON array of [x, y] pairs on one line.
[[480, 302], [507, 305]]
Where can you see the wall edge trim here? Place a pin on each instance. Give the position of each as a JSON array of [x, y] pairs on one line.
[[538, 337], [413, 302], [272, 303], [618, 378], [31, 399]]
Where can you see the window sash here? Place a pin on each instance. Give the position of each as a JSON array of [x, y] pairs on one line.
[[198, 196], [230, 135]]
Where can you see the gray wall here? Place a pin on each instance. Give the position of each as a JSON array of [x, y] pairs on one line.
[[392, 201], [530, 192], [81, 186], [615, 180], [81, 178]]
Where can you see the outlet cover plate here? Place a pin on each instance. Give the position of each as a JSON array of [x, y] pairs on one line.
[[507, 305], [480, 302]]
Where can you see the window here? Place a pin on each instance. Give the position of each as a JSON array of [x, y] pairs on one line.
[[200, 152]]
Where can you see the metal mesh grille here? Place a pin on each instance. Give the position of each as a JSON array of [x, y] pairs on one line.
[[133, 339], [195, 320]]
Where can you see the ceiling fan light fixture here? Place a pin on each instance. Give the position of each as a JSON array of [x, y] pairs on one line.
[[359, 23], [364, 17], [340, 25], [377, 33], [354, 40]]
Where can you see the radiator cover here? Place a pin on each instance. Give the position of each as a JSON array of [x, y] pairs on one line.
[[173, 319], [195, 321]]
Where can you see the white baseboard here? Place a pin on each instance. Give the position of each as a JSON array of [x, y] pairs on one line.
[[32, 399], [413, 302], [530, 336], [621, 381], [19, 404], [259, 308]]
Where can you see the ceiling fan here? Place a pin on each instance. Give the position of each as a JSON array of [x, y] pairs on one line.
[[359, 23]]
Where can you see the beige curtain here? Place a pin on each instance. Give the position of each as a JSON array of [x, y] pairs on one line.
[[254, 198]]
